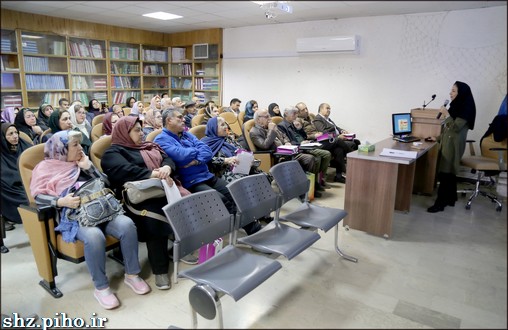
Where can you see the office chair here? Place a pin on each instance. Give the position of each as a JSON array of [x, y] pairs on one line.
[[491, 162]]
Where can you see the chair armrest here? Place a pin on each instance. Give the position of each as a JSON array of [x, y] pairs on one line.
[[44, 212], [498, 149], [471, 147]]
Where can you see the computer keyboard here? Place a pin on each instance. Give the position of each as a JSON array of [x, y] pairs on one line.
[[406, 139]]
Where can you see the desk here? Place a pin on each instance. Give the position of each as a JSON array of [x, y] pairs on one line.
[[377, 185]]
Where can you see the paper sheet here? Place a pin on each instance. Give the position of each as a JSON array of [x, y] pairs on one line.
[[245, 159]]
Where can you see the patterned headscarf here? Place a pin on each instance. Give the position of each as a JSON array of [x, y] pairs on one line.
[[8, 115]]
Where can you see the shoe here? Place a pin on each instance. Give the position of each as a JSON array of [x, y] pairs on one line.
[[106, 298], [339, 179], [190, 259], [435, 208], [266, 220], [4, 249], [137, 284], [452, 204], [162, 282], [317, 194], [252, 227], [318, 187], [8, 225], [325, 185]]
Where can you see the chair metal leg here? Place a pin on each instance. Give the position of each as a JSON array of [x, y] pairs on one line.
[[205, 301], [337, 249], [51, 288], [477, 191]]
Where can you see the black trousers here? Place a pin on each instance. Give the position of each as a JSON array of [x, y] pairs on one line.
[[447, 190]]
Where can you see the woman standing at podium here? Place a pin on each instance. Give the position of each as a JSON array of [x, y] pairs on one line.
[[452, 142]]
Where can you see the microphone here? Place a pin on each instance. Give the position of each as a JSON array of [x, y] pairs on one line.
[[433, 97], [444, 105]]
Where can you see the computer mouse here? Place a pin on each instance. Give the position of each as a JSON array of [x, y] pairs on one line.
[[428, 139]]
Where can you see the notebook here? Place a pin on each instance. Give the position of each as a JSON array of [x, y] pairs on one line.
[[402, 128]]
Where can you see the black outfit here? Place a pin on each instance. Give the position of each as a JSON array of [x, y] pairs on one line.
[[13, 192], [122, 164], [22, 126], [452, 145], [42, 120]]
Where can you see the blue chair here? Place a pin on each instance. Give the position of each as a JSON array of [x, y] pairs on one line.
[[293, 183]]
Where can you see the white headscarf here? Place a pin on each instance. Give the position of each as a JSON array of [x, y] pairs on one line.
[[83, 127]]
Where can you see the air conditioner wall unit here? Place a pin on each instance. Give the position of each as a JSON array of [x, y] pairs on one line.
[[333, 44]]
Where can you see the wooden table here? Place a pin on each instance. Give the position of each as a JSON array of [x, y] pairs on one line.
[[378, 185]]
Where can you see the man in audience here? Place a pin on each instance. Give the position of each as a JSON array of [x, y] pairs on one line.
[[177, 102], [324, 124], [117, 110], [189, 112], [63, 103], [234, 106], [191, 157], [322, 157], [337, 147], [266, 136]]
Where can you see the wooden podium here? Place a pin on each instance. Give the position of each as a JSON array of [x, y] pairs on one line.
[[426, 124]]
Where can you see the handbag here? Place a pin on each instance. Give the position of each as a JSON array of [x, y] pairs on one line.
[[140, 191], [98, 204]]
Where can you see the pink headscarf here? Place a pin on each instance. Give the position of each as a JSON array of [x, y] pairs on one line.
[[55, 175]]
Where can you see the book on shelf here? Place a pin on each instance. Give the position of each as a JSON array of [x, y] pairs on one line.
[[8, 81], [30, 46], [99, 83], [154, 69], [154, 55], [6, 45], [36, 64], [12, 100], [83, 66], [58, 47], [124, 53], [35, 82], [52, 98], [178, 54], [121, 96]]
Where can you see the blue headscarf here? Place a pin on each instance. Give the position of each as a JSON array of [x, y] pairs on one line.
[[215, 142]]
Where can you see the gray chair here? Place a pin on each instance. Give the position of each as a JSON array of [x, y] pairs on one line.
[[199, 219], [293, 183], [255, 198]]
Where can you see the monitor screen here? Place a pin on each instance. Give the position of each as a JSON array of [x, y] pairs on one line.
[[401, 123]]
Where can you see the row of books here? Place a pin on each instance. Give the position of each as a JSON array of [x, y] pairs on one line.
[[6, 46], [161, 82], [35, 82], [83, 66], [185, 83], [123, 53], [181, 69], [154, 69], [85, 99], [36, 64], [80, 82], [9, 81], [155, 55], [11, 100], [209, 71], [52, 98], [178, 54], [86, 49], [124, 68], [206, 84], [125, 82], [121, 97], [54, 47]]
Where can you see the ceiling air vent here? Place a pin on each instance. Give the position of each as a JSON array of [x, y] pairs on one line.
[[200, 51]]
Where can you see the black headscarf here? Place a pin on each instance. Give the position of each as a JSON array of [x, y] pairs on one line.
[[21, 124], [54, 121], [463, 105], [13, 192], [42, 119], [271, 112], [93, 110]]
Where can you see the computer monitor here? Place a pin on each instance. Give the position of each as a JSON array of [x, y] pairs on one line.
[[401, 124]]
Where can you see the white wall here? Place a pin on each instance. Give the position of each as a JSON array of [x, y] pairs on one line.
[[403, 60]]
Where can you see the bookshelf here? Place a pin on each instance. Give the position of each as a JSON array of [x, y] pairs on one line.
[[207, 77], [88, 70], [45, 68], [181, 73], [11, 95], [125, 77], [155, 63]]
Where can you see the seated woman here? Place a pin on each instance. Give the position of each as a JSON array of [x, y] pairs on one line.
[[153, 121], [80, 123], [45, 110], [109, 123], [60, 121], [274, 110], [138, 110], [155, 103], [130, 102], [250, 107], [13, 192], [27, 123], [211, 111], [130, 159], [53, 180]]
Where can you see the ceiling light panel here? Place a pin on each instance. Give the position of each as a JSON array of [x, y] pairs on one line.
[[162, 15]]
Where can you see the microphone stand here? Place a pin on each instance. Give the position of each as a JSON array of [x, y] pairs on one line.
[[424, 105]]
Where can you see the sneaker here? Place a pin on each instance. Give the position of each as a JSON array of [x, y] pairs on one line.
[[339, 179], [106, 298], [190, 259], [162, 282], [137, 284]]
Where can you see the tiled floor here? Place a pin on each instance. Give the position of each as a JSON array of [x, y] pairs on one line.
[[443, 270]]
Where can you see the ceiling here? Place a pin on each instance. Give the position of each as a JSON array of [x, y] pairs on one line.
[[199, 15]]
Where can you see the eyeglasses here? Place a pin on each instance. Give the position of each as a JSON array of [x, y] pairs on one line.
[[264, 116]]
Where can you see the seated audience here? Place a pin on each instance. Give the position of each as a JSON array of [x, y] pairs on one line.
[[250, 108], [137, 110], [322, 157], [273, 110], [165, 95], [80, 123], [26, 122], [189, 112], [191, 157], [63, 104], [155, 103], [109, 123], [337, 147], [130, 159], [211, 111], [53, 182], [117, 109], [153, 121], [196, 100], [178, 103], [234, 106], [60, 121], [45, 110], [166, 103], [325, 124], [13, 192], [130, 102], [266, 136], [94, 109]]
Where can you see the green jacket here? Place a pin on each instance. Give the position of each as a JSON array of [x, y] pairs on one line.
[[452, 144]]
